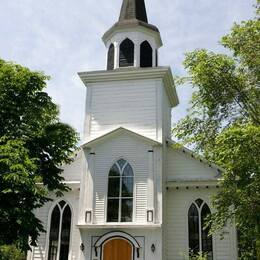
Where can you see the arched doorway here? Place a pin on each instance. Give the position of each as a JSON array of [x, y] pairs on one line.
[[117, 249]]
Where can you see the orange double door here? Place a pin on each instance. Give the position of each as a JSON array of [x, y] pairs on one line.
[[117, 249]]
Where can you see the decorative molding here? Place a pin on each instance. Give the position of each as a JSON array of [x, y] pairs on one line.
[[196, 184], [124, 74], [121, 226]]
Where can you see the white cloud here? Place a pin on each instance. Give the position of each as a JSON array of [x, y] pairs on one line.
[[62, 37]]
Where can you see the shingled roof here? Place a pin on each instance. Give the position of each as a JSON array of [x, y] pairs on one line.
[[133, 13], [133, 9]]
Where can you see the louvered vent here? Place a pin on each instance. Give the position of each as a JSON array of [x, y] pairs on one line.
[[110, 57], [126, 53], [146, 55]]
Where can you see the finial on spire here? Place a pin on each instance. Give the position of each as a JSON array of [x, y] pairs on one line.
[[133, 9]]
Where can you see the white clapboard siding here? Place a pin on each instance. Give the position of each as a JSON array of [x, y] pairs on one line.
[[136, 153], [39, 252], [166, 115], [72, 171], [178, 203], [182, 166], [129, 104]]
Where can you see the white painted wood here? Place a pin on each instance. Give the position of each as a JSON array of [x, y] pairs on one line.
[[178, 203], [123, 104], [181, 166], [90, 183], [73, 171], [150, 182], [136, 153], [40, 252], [137, 38]]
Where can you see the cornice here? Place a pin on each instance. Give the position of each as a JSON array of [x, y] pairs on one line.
[[121, 74]]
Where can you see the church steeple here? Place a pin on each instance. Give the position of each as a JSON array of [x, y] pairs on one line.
[[133, 9], [132, 41]]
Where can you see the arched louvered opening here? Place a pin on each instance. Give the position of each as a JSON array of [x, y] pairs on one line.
[[111, 57], [199, 238], [120, 192], [59, 234], [146, 55], [126, 57]]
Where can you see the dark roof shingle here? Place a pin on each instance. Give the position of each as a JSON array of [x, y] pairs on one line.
[[133, 9]]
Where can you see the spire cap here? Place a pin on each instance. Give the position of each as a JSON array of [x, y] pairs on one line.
[[133, 16], [133, 9]]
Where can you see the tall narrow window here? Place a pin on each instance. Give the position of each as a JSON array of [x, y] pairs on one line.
[[126, 57], [199, 238], [111, 57], [59, 237], [120, 192], [146, 55]]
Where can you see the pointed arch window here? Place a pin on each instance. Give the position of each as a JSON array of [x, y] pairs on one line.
[[199, 238], [126, 57], [110, 57], [146, 55], [59, 235], [120, 192]]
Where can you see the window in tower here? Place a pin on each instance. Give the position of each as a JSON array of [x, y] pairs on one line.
[[126, 57], [111, 57], [146, 55], [120, 192]]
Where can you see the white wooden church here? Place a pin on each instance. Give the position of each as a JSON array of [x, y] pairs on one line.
[[134, 196]]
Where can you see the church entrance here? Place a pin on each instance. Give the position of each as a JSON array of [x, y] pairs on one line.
[[117, 249]]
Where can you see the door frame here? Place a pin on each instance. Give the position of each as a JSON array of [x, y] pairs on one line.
[[98, 246]]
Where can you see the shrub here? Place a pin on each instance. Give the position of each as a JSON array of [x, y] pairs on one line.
[[11, 253]]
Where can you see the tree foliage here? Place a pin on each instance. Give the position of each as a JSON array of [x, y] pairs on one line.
[[11, 253], [223, 124], [33, 146]]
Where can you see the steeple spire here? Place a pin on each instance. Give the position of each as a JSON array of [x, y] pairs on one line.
[[132, 41], [133, 9]]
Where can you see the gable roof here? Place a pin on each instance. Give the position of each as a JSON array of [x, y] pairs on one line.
[[195, 156], [117, 132]]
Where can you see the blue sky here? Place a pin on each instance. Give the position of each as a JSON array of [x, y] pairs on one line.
[[62, 37]]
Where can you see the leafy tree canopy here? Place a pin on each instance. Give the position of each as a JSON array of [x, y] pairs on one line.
[[223, 124], [33, 146]]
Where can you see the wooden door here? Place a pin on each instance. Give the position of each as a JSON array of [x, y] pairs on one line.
[[117, 249]]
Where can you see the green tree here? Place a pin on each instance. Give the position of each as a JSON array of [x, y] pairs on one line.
[[11, 253], [223, 124], [33, 146]]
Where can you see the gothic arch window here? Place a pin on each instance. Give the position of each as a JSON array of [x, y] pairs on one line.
[[120, 192], [199, 238], [59, 234], [110, 57], [146, 55], [126, 57]]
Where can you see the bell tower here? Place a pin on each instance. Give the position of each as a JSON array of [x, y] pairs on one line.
[[132, 41], [133, 92]]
